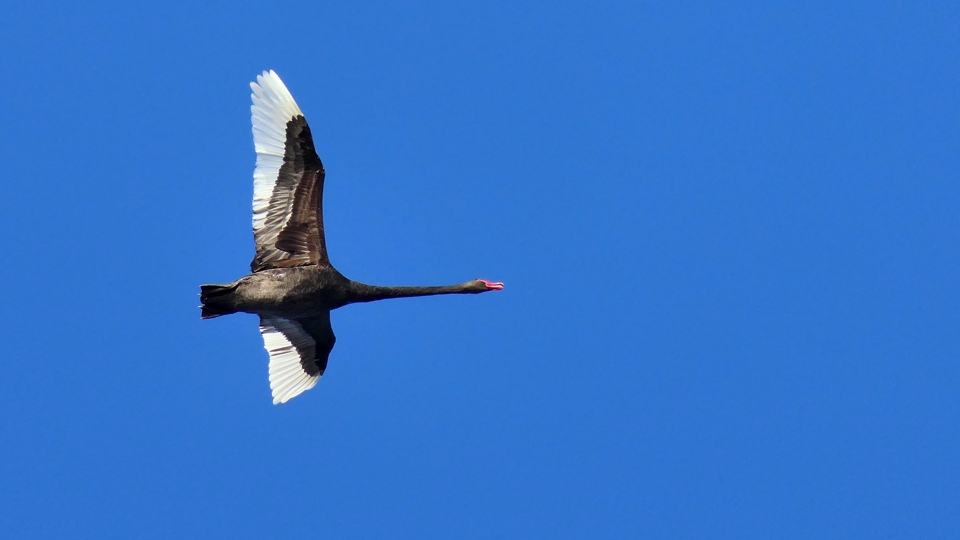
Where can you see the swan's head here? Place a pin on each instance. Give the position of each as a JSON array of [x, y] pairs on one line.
[[482, 285]]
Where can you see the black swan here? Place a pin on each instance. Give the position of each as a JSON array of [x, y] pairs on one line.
[[292, 285]]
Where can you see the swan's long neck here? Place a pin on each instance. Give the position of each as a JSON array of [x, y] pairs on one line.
[[360, 292]]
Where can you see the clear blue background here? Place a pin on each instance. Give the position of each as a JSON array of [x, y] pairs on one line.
[[729, 237]]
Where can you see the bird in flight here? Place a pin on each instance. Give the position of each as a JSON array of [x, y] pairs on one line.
[[292, 286]]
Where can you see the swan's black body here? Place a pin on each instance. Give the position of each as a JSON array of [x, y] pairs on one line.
[[293, 287], [307, 290]]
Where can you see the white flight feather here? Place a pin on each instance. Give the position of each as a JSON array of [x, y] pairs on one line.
[[286, 374], [273, 107]]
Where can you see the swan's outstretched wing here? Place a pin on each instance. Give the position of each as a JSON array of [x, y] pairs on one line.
[[287, 183], [298, 349]]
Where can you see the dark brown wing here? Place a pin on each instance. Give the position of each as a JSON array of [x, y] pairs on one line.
[[299, 349], [288, 181]]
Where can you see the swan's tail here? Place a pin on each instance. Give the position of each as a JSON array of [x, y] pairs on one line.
[[216, 300]]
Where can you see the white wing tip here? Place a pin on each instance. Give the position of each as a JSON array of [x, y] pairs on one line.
[[292, 390], [270, 87], [287, 377], [268, 74]]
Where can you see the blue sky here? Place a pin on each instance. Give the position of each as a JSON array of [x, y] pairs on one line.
[[729, 237]]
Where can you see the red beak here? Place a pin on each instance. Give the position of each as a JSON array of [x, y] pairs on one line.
[[492, 285]]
